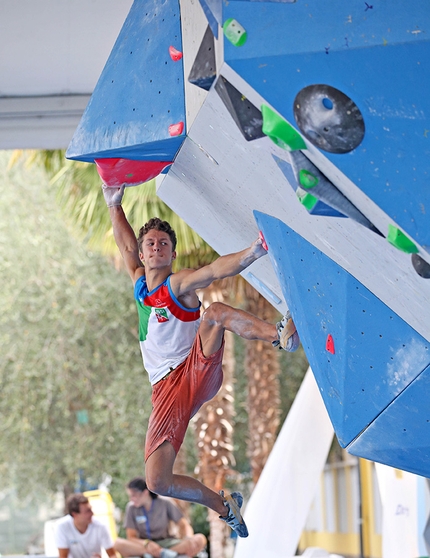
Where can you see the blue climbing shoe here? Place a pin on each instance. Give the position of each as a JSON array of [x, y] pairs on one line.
[[234, 519]]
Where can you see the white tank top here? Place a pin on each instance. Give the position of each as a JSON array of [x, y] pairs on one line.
[[166, 328]]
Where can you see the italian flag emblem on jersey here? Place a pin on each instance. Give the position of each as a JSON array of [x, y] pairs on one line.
[[161, 314]]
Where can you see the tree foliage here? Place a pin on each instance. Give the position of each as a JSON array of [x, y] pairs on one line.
[[74, 392]]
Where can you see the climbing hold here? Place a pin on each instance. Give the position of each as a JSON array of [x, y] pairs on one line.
[[307, 179], [329, 344], [263, 242], [328, 118], [234, 32], [326, 191], [318, 208], [421, 266], [213, 12], [176, 129], [175, 55], [307, 200], [280, 131], [248, 118], [398, 239], [287, 170], [116, 172], [203, 72]]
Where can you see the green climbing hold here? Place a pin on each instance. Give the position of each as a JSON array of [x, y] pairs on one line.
[[280, 132], [307, 200], [398, 239], [234, 32], [307, 179]]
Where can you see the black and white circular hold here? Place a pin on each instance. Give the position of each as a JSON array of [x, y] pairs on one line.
[[328, 118]]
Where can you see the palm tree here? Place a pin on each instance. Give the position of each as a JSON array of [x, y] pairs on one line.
[[262, 370]]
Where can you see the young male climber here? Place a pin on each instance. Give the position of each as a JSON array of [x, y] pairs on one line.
[[182, 351]]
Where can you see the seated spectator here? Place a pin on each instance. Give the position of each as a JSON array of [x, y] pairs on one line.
[[146, 522], [78, 535]]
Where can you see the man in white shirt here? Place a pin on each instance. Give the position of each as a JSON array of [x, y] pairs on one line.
[[78, 535]]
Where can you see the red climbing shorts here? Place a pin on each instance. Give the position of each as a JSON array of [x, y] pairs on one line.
[[178, 397]]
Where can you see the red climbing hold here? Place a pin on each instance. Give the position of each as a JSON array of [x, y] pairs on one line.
[[175, 55], [263, 242], [329, 344], [116, 172], [176, 129]]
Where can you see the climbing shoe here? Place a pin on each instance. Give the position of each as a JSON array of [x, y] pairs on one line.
[[234, 519], [288, 338]]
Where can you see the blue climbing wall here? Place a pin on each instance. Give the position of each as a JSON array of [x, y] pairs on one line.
[[140, 93], [377, 373], [375, 53], [400, 436], [360, 306]]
